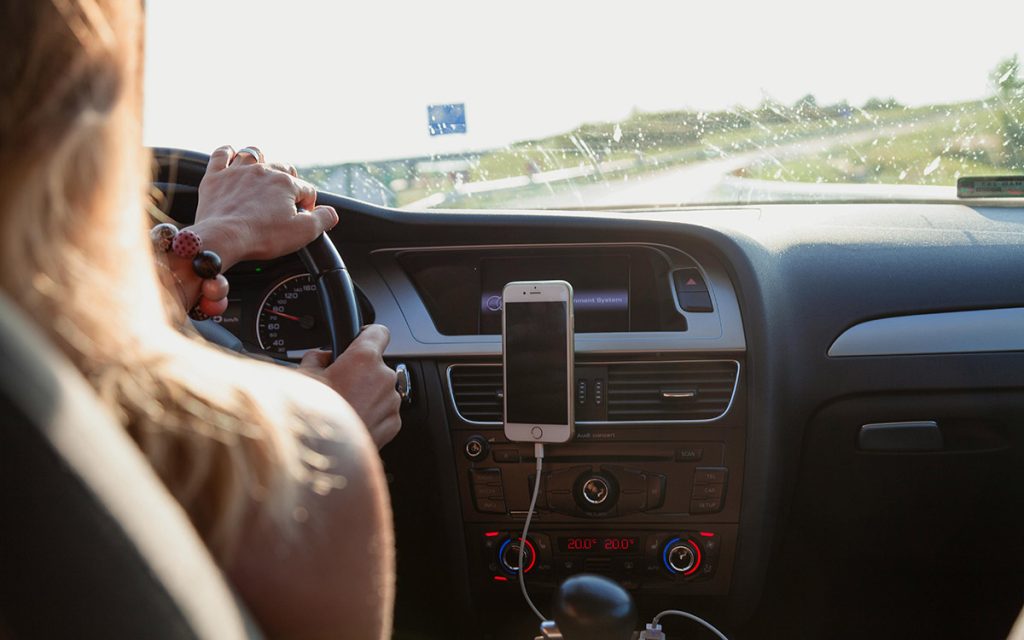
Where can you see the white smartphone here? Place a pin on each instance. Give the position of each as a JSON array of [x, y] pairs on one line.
[[537, 354]]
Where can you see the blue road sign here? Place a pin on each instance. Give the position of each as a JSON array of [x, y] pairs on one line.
[[443, 119]]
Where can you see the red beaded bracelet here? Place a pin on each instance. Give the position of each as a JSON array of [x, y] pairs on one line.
[[186, 243]]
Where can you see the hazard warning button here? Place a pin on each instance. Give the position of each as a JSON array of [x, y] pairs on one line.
[[691, 291], [688, 280]]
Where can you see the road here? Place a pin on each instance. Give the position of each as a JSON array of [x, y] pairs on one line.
[[713, 180]]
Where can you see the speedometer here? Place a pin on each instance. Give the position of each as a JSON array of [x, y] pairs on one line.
[[291, 320]]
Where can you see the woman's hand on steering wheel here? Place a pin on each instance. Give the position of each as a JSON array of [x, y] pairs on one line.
[[252, 210], [361, 377]]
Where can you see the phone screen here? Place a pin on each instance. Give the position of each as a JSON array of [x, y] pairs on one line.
[[536, 362]]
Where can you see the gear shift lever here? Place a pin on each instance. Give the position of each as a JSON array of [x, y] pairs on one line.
[[591, 607]]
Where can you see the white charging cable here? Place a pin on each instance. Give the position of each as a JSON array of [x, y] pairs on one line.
[[654, 632], [538, 452]]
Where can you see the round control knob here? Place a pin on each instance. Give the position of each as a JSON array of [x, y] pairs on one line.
[[476, 447], [508, 556], [596, 490], [681, 556]]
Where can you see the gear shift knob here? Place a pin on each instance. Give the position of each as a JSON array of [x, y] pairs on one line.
[[591, 607]]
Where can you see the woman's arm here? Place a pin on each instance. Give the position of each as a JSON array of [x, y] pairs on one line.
[[253, 210], [330, 574]]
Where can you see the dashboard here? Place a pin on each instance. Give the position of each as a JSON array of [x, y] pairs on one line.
[[794, 414]]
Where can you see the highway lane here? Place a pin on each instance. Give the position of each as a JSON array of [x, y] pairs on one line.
[[714, 180]]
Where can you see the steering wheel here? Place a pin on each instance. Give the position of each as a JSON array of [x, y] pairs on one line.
[[185, 169], [336, 290]]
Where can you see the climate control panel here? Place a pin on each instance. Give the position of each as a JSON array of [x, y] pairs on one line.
[[637, 559]]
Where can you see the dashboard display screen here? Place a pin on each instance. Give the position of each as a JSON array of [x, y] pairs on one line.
[[599, 544], [536, 362], [600, 288]]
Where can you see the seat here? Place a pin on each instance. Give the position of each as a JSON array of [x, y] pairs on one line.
[[91, 543]]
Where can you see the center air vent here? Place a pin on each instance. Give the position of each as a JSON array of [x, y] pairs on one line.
[[477, 391], [638, 392], [690, 391]]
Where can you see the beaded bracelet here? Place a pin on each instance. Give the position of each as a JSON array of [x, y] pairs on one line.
[[186, 243]]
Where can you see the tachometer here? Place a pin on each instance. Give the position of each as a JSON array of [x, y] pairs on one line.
[[291, 321]]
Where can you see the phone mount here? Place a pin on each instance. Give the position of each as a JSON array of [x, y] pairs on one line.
[[590, 607]]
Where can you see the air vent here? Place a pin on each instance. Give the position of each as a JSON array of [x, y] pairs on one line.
[[683, 391], [699, 390], [477, 391]]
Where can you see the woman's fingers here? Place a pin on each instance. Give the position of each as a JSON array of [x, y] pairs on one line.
[[326, 218], [220, 158], [315, 360], [320, 220], [284, 167], [305, 194], [247, 155], [267, 210]]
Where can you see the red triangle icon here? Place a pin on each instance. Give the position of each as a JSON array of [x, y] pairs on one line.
[[691, 283]]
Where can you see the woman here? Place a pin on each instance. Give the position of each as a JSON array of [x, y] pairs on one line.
[[277, 472]]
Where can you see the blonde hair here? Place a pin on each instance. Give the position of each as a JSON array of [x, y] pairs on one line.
[[74, 255]]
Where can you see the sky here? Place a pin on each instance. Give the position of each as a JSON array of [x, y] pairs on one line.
[[325, 81]]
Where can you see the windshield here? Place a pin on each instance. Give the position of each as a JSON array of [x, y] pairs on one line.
[[566, 104]]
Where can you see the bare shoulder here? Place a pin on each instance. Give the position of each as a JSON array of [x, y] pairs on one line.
[[326, 567]]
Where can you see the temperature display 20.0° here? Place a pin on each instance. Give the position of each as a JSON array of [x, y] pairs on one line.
[[599, 544]]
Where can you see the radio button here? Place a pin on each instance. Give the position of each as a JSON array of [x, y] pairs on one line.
[[489, 505], [655, 490], [630, 480], [710, 505], [689, 454], [709, 475], [506, 455], [708, 490], [561, 501], [488, 491], [632, 503], [485, 476]]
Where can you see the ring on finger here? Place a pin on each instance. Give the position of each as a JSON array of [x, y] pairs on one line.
[[255, 152]]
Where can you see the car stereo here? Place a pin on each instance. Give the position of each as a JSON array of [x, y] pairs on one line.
[[600, 288], [617, 288]]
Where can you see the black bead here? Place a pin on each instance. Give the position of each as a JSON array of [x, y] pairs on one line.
[[206, 264]]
